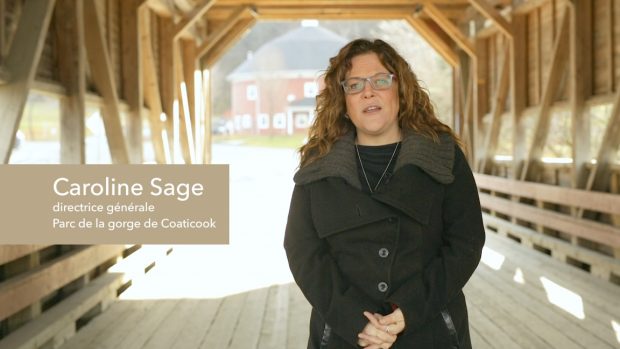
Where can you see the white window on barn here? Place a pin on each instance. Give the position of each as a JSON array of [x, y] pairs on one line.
[[262, 121], [302, 119], [310, 89], [251, 93], [279, 120], [246, 122]]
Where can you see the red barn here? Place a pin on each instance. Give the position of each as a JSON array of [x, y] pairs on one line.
[[273, 90]]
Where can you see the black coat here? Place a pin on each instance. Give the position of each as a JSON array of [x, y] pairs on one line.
[[413, 243]]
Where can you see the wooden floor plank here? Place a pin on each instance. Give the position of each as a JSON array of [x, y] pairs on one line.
[[489, 330], [250, 322], [481, 324], [221, 332], [168, 331], [194, 331], [530, 319], [275, 324], [149, 324], [583, 332], [503, 313], [122, 328], [298, 319], [492, 310], [102, 325], [603, 294]]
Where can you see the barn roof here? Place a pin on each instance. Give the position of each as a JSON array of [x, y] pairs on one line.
[[302, 49]]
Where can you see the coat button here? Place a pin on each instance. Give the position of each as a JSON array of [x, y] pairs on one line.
[[391, 220], [382, 286], [383, 252]]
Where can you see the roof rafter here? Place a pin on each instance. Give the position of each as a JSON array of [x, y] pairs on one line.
[[450, 28], [489, 12]]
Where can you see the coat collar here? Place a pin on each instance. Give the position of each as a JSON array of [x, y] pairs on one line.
[[435, 159]]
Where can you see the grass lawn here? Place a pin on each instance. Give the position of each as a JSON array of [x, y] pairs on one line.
[[279, 141]]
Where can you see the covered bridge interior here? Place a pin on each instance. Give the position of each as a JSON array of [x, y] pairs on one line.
[[518, 67]]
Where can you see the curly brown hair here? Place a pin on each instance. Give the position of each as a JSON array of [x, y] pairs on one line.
[[415, 109]]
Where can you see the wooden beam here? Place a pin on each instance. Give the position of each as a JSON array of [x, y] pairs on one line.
[[184, 123], [188, 57], [351, 12], [72, 71], [557, 68], [589, 200], [163, 8], [526, 7], [5, 77], [21, 63], [499, 101], [9, 253], [518, 91], [19, 292], [132, 76], [610, 44], [450, 28], [489, 12], [151, 86], [191, 19], [2, 29], [227, 41], [469, 131], [222, 30], [207, 97], [580, 87], [166, 67], [480, 98], [582, 228], [103, 77], [600, 175], [433, 38]]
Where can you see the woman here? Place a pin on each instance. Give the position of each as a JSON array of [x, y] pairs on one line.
[[384, 227]]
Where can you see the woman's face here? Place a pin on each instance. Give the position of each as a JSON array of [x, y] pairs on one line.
[[374, 112]]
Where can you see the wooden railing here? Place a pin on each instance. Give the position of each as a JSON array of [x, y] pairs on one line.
[[47, 292], [548, 218]]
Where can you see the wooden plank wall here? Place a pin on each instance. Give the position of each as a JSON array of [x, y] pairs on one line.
[[35, 278], [542, 28]]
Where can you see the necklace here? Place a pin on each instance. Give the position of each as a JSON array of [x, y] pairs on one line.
[[384, 171]]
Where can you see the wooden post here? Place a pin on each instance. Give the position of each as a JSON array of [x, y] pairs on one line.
[[151, 86], [499, 100], [2, 29], [72, 71], [132, 76], [518, 88], [580, 87], [182, 104], [479, 94], [206, 91], [600, 176], [541, 131], [103, 77], [167, 72], [21, 63]]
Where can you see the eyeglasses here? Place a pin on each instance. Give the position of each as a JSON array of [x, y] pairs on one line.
[[379, 81]]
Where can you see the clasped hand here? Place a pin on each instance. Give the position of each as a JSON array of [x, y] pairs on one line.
[[381, 331]]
